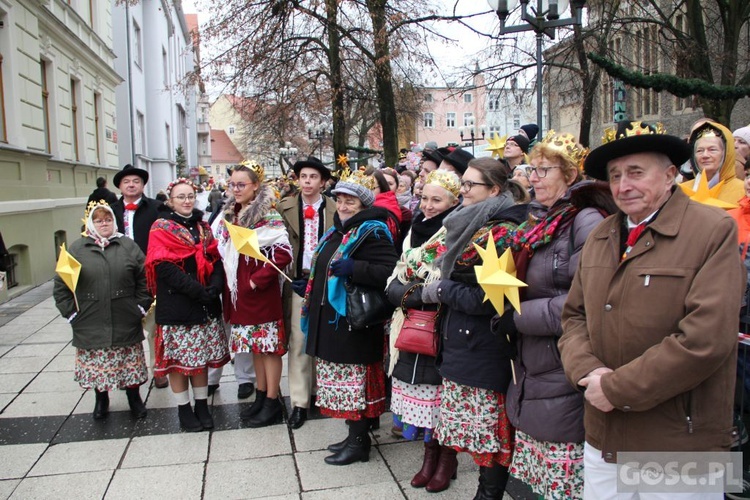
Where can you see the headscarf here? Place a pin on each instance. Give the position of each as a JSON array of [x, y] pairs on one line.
[[91, 230]]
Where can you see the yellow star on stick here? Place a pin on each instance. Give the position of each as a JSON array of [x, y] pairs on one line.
[[497, 146], [708, 196], [497, 277], [342, 160], [69, 270], [246, 242]]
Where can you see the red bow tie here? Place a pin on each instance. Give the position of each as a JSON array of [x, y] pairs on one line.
[[309, 212], [131, 206], [635, 233]]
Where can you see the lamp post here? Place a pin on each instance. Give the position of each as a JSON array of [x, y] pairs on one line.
[[319, 133], [542, 20], [285, 152], [472, 137]]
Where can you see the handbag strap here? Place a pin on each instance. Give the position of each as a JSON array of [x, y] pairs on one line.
[[409, 292]]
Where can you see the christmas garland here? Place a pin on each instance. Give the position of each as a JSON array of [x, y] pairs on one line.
[[680, 87]]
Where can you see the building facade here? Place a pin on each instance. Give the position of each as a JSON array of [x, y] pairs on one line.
[[58, 127]]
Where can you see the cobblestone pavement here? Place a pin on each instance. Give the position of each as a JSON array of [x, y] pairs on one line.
[[50, 447]]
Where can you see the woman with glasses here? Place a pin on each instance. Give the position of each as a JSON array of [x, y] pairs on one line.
[[184, 272], [546, 411], [106, 311], [474, 363], [252, 295]]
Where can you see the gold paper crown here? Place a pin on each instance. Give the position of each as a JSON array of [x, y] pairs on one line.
[[360, 178], [93, 205], [566, 145], [635, 128], [446, 180], [708, 132], [259, 171]]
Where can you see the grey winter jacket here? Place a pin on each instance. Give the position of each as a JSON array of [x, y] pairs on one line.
[[111, 286], [542, 403]]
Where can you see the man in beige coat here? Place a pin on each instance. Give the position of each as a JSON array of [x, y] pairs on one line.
[[650, 324], [306, 217]]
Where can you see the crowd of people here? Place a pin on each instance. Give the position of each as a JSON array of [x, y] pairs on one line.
[[626, 337]]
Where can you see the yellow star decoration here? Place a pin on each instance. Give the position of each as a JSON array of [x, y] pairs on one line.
[[342, 160], [497, 277], [246, 242], [708, 196], [69, 270], [497, 146]]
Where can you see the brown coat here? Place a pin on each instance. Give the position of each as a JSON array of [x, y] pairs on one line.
[[665, 320]]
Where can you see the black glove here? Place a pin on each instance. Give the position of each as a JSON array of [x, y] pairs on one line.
[[208, 296], [505, 325], [299, 286], [342, 267]]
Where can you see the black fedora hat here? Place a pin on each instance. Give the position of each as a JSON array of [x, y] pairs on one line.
[[630, 138], [312, 162], [460, 159], [130, 170], [433, 155]]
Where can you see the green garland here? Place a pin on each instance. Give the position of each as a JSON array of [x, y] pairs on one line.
[[680, 87]]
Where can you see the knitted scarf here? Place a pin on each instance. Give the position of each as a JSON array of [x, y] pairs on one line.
[[172, 242], [463, 226], [335, 287]]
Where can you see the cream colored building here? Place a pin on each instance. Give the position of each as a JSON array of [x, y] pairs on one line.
[[57, 129]]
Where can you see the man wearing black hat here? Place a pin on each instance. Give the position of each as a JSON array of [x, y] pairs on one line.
[[650, 324], [431, 160], [515, 147], [306, 217], [457, 161], [135, 213]]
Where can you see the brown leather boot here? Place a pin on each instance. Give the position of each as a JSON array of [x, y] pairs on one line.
[[429, 464], [446, 470]]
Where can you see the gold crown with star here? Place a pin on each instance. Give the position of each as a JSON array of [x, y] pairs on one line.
[[93, 205], [566, 145], [446, 180], [358, 177], [632, 129], [256, 168]]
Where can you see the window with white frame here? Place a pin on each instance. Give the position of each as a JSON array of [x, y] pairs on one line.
[[231, 130], [138, 44], [516, 121], [468, 98], [468, 119], [140, 133], [428, 97], [450, 120], [493, 103], [429, 120]]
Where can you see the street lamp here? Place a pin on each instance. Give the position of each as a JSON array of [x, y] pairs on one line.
[[287, 151], [319, 133], [470, 130], [543, 20]]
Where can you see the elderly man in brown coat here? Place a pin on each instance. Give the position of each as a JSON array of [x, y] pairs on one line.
[[650, 324]]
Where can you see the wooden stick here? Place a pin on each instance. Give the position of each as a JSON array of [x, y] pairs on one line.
[[280, 271]]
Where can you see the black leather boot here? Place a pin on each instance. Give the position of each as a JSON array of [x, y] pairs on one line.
[[254, 409], [188, 421], [357, 447], [137, 408], [203, 415], [492, 481], [270, 414], [101, 406]]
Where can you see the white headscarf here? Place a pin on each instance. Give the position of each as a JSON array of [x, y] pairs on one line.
[[91, 231]]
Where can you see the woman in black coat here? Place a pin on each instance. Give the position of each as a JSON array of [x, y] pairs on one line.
[[351, 380], [184, 270]]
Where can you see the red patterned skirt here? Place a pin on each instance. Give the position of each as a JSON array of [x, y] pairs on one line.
[[190, 349], [349, 391]]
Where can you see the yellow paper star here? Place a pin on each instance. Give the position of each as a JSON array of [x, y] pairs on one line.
[[497, 277], [496, 145], [69, 270], [246, 242], [708, 196], [342, 160]]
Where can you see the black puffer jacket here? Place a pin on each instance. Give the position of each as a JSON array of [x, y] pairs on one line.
[[178, 291]]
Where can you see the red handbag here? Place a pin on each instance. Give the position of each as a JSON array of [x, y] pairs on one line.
[[418, 334]]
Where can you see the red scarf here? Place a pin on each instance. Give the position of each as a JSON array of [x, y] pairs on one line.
[[171, 242]]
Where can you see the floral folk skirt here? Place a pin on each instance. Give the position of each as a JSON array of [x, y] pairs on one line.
[[350, 391], [190, 349], [415, 407], [266, 338], [553, 470], [473, 420], [111, 368]]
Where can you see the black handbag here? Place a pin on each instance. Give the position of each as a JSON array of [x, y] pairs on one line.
[[366, 306]]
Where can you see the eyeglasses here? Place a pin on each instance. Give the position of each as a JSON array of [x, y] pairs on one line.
[[467, 185], [238, 186], [100, 222], [181, 198], [540, 172]]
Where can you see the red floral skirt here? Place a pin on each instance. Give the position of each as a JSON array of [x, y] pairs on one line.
[[349, 391]]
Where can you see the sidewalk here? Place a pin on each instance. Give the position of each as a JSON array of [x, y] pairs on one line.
[[50, 447]]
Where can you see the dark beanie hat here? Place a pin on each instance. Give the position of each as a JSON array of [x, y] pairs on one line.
[[530, 129], [522, 142], [460, 159]]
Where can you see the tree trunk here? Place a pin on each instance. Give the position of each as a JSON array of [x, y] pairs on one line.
[[337, 88], [384, 81]]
